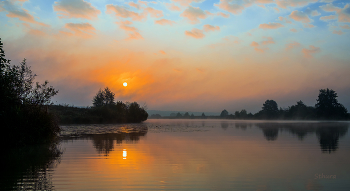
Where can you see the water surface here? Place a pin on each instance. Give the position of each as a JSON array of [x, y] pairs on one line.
[[194, 155]]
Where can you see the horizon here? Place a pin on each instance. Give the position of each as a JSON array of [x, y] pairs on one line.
[[180, 55]]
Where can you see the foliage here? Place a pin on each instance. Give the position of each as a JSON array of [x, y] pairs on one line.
[[103, 97], [23, 105], [224, 113], [327, 106]]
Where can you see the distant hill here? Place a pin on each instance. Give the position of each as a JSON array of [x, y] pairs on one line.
[[168, 113]]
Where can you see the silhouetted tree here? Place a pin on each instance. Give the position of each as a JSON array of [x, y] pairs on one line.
[[192, 116], [178, 115], [327, 106], [203, 116], [270, 109], [103, 97], [187, 115], [224, 113]]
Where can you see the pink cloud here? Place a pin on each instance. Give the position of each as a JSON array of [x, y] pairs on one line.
[[300, 16], [339, 32], [223, 15], [268, 41], [154, 12], [75, 9], [294, 30], [195, 33], [193, 14], [173, 7], [208, 28], [345, 27], [124, 13], [308, 52], [85, 30], [343, 13], [254, 44], [330, 17], [187, 2], [132, 32], [271, 26], [164, 22], [293, 3], [292, 45]]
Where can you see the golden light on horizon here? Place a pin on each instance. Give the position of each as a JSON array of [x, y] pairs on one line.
[[125, 84]]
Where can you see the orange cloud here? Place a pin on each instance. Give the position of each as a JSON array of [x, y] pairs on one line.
[[312, 50], [208, 28], [345, 27], [75, 9], [343, 13], [330, 17], [231, 6], [193, 14], [292, 45], [14, 11], [339, 32], [254, 44], [285, 20], [307, 25], [293, 3], [268, 41], [195, 33], [123, 12], [164, 22], [153, 12], [187, 2], [173, 7], [271, 26], [223, 15], [294, 30], [162, 52], [132, 4], [81, 29], [133, 33], [300, 16]]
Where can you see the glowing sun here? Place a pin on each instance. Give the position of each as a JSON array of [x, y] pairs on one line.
[[125, 84]]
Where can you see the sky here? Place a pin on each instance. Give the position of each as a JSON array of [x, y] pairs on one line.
[[184, 55]]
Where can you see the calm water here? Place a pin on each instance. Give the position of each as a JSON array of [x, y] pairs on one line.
[[188, 155]]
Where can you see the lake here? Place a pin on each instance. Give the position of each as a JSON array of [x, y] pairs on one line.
[[176, 154]]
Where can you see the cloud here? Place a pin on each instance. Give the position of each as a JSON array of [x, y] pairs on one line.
[[343, 13], [315, 13], [308, 52], [256, 47], [195, 33], [187, 2], [307, 25], [164, 22], [330, 17], [173, 7], [345, 27], [132, 4], [75, 9], [208, 28], [339, 32], [300, 16], [292, 45], [294, 30], [268, 41], [15, 11], [153, 12], [285, 20], [254, 44], [232, 6], [132, 32], [193, 14], [271, 26], [293, 3], [123, 12], [223, 15], [85, 30], [162, 52]]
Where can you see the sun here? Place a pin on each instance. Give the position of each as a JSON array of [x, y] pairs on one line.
[[125, 84]]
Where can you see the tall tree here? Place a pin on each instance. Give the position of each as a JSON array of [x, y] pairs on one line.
[[224, 113], [98, 100], [327, 106], [270, 109]]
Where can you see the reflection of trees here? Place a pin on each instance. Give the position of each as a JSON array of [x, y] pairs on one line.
[[329, 137], [270, 130], [104, 142], [224, 125], [328, 134], [27, 168]]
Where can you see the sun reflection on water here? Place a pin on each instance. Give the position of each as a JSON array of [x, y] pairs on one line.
[[124, 153]]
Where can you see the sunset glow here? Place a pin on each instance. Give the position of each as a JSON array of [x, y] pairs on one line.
[[179, 54]]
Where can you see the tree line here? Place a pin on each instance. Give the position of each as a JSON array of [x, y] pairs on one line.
[[326, 108]]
